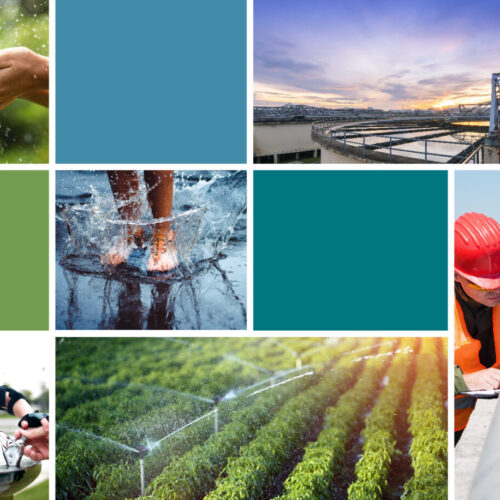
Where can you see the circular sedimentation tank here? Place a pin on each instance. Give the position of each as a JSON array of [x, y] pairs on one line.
[[411, 140]]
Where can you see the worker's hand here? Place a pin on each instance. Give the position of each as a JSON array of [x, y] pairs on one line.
[[487, 379], [37, 440], [22, 72]]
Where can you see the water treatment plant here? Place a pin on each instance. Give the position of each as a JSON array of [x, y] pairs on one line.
[[304, 134]]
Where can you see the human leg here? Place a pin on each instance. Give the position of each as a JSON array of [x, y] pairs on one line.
[[125, 187], [160, 195]]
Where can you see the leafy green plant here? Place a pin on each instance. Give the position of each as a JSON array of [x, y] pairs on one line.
[[427, 418], [312, 478], [128, 400], [379, 441], [251, 474]]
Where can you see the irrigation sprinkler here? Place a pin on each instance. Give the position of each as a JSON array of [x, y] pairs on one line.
[[295, 354], [143, 451], [217, 400]]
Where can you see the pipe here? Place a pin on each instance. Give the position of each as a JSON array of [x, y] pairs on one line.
[[141, 462], [494, 102], [216, 419], [486, 483]]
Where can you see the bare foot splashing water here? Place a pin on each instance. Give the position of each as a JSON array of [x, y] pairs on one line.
[[132, 274]]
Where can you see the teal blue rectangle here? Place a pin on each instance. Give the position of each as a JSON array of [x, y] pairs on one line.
[[350, 250], [151, 82]]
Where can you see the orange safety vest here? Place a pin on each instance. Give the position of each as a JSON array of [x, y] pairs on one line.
[[467, 358]]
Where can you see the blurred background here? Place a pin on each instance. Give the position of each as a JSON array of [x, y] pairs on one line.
[[24, 126]]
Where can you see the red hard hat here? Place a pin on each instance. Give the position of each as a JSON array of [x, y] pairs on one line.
[[477, 249]]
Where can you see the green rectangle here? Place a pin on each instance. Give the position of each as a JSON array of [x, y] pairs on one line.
[[24, 250], [350, 250]]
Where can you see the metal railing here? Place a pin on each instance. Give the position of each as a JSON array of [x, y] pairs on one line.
[[486, 484], [476, 155], [322, 133]]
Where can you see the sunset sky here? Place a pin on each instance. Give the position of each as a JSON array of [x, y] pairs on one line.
[[384, 54]]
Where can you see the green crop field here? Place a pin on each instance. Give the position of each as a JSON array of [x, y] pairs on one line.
[[251, 418]]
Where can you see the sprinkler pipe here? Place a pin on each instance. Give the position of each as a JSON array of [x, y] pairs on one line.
[[143, 451], [216, 414]]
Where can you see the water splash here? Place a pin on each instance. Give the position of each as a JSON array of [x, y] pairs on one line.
[[307, 374], [157, 443], [406, 350], [231, 394], [95, 436], [206, 211]]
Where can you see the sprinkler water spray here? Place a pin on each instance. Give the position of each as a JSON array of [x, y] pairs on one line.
[[306, 374]]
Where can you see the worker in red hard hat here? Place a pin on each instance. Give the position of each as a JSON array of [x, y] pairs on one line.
[[477, 311]]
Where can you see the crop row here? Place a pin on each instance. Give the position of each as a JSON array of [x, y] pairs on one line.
[[379, 443], [427, 418], [112, 477], [252, 473], [152, 361], [313, 477], [204, 369], [129, 416], [191, 467], [135, 412]]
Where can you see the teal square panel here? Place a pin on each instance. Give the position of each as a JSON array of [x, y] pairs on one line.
[[154, 81], [350, 250]]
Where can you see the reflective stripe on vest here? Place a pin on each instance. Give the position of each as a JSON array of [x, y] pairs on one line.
[[467, 358], [463, 402]]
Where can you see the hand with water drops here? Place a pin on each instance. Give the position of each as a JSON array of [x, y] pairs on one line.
[[23, 74]]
